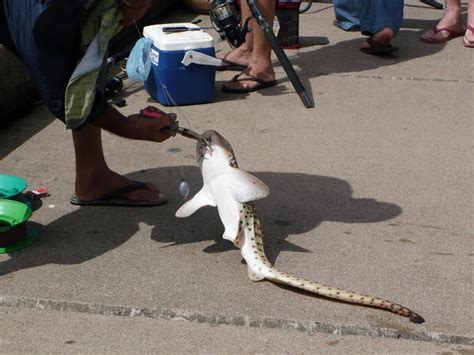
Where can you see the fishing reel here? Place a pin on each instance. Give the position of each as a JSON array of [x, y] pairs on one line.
[[227, 21]]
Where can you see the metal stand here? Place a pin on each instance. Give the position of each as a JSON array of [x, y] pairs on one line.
[[295, 80], [433, 3]]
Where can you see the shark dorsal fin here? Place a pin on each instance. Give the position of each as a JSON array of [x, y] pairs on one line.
[[201, 199], [243, 186]]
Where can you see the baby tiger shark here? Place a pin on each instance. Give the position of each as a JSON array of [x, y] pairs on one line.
[[232, 190]]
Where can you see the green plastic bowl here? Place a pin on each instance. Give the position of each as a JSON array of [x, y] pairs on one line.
[[12, 214], [11, 185], [14, 233]]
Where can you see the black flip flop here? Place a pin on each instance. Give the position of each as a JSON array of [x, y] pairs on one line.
[[262, 84], [229, 65], [115, 198], [377, 48]]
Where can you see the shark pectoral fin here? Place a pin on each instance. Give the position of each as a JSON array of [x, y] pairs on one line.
[[201, 199], [231, 234], [253, 276], [245, 187]]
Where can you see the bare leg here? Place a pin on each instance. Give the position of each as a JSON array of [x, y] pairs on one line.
[[94, 179], [259, 64], [242, 54], [451, 20]]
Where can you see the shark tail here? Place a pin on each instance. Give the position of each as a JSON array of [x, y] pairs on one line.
[[341, 295], [260, 268]]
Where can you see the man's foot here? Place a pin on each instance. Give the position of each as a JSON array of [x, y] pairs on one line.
[[263, 72], [381, 38], [113, 189], [239, 56], [379, 43], [257, 84]]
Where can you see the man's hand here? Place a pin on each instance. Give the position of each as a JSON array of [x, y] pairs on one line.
[[154, 121], [135, 11], [137, 126]]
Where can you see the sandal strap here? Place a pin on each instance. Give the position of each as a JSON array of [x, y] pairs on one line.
[[447, 29], [129, 188], [248, 77]]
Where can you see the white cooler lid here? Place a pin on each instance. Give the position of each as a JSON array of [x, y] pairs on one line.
[[186, 40]]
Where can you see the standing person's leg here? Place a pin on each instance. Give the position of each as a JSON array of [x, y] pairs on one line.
[[347, 14], [241, 55], [381, 20], [259, 72], [469, 35], [449, 27]]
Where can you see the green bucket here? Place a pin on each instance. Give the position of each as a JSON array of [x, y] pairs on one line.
[[11, 185], [14, 233]]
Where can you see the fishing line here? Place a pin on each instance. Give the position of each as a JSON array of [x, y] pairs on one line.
[[183, 187]]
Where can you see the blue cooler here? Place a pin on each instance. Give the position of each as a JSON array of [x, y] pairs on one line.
[[170, 82]]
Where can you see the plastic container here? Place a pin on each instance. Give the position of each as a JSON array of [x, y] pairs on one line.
[[14, 233], [288, 17], [11, 185], [170, 82]]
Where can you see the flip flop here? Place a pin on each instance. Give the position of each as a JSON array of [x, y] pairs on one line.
[[115, 198], [451, 34], [377, 48], [467, 43], [230, 65], [262, 84]]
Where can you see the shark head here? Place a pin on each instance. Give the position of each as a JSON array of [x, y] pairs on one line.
[[216, 147]]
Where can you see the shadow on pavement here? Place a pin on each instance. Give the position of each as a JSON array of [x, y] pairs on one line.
[[19, 131], [298, 203], [345, 57]]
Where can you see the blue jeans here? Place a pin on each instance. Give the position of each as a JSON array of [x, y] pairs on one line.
[[370, 15], [347, 13]]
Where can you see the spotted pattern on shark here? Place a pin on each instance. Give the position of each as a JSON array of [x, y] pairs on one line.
[[260, 268]]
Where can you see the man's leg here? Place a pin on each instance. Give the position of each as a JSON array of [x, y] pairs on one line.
[[259, 64], [94, 179]]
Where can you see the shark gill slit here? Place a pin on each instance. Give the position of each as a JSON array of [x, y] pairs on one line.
[[260, 268]]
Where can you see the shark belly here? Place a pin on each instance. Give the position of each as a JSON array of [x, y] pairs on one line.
[[229, 212]]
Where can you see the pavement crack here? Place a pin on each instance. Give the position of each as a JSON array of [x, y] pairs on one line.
[[397, 78], [310, 327]]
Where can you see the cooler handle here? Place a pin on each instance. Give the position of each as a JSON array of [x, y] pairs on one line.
[[191, 57]]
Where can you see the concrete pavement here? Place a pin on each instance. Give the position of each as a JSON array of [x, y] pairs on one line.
[[370, 191]]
